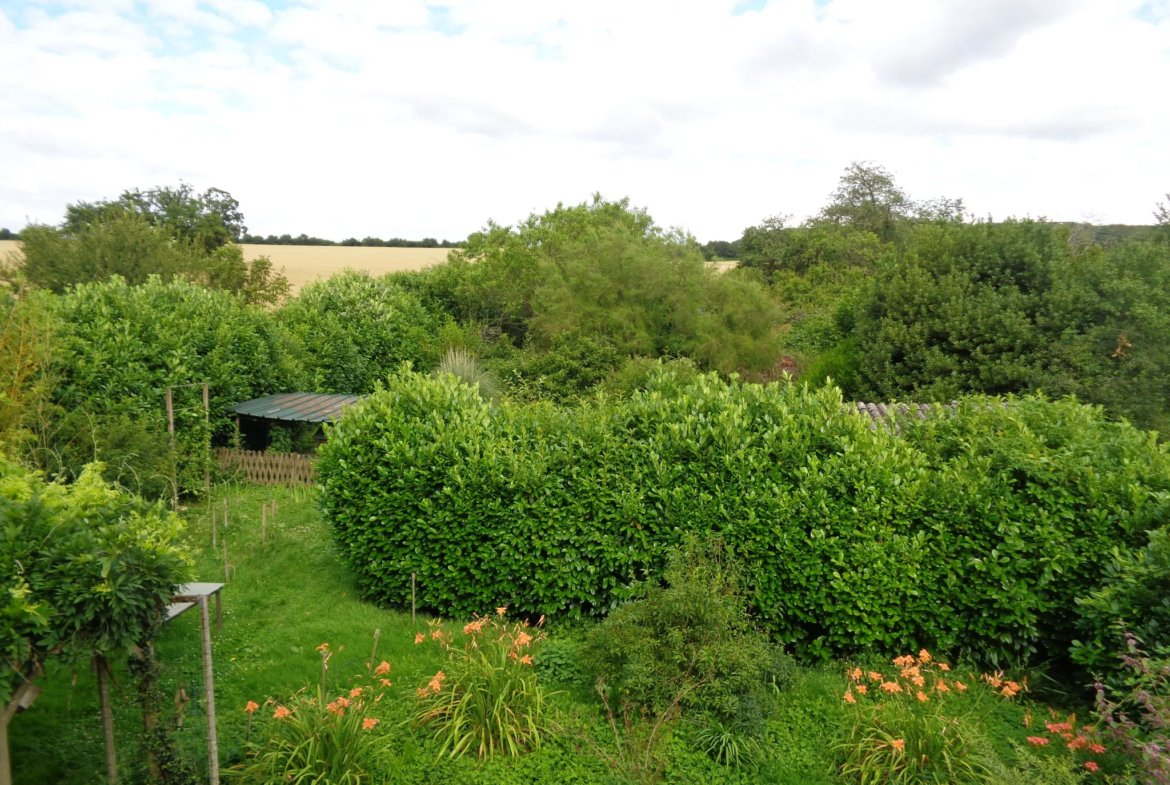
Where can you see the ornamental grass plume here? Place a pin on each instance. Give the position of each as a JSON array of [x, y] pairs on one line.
[[487, 699]]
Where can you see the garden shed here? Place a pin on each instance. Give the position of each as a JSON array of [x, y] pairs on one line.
[[298, 412]]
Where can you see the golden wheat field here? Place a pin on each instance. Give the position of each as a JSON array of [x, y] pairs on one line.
[[304, 264]]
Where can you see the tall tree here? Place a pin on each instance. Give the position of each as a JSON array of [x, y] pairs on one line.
[[867, 198], [210, 219]]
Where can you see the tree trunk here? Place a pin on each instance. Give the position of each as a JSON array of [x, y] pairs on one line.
[[5, 763], [22, 698], [107, 719]]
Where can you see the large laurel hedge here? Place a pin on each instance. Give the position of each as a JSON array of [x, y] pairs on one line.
[[975, 529]]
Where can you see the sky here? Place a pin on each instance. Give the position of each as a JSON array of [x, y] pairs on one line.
[[342, 118]]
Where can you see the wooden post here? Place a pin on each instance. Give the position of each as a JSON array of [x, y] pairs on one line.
[[225, 515], [412, 598], [207, 422], [264, 523], [174, 457], [107, 719], [209, 694], [212, 508]]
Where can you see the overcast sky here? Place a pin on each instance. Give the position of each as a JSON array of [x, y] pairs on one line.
[[402, 118]]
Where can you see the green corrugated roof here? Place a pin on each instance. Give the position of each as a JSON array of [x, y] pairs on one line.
[[297, 407]]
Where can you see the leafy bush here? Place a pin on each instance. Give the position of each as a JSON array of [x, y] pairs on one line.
[[1134, 599], [122, 242], [667, 375], [1013, 307], [1035, 769], [357, 329], [119, 347], [573, 365], [310, 738], [83, 567], [605, 269], [977, 527], [690, 638], [490, 703]]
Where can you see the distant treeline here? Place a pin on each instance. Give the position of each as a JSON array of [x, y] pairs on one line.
[[5, 234], [372, 242], [1110, 234]]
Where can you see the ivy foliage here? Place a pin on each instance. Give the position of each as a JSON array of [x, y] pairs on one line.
[[83, 568], [357, 329], [976, 528]]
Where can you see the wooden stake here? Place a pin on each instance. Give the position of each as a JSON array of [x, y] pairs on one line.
[[207, 422], [213, 542], [263, 523], [174, 457], [107, 719], [227, 578], [225, 517], [412, 598], [209, 693]]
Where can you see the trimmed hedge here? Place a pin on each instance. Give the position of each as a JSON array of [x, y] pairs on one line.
[[974, 529]]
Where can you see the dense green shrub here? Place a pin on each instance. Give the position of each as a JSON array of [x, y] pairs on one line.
[[1134, 598], [1014, 307], [688, 642], [82, 568], [120, 346], [975, 528], [356, 329], [655, 296], [122, 242], [573, 365]]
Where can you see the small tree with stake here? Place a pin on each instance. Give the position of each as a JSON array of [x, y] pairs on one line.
[[86, 570]]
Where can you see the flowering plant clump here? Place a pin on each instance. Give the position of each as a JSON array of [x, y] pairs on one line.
[[1138, 722], [1061, 734], [312, 736], [487, 699], [910, 724]]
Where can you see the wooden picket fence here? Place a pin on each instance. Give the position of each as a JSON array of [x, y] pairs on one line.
[[266, 468]]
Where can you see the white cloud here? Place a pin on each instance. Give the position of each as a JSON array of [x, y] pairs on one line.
[[376, 118]]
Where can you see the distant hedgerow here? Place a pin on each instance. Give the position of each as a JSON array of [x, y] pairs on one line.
[[974, 529]]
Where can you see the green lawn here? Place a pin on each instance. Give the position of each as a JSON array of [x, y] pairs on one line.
[[292, 594]]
